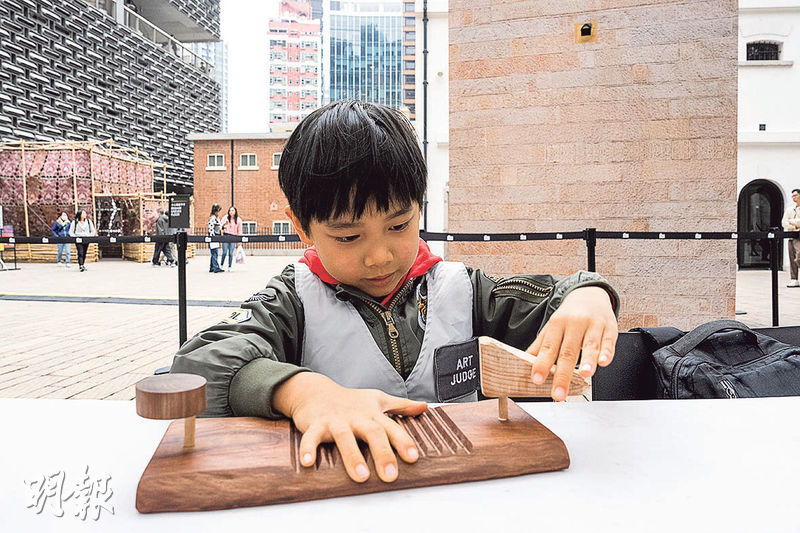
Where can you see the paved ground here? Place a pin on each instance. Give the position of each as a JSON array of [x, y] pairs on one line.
[[99, 350], [753, 295], [94, 350]]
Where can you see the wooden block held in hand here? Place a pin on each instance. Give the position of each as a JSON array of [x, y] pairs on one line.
[[506, 372]]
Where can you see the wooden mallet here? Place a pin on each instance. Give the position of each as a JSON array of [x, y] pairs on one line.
[[506, 372], [172, 396]]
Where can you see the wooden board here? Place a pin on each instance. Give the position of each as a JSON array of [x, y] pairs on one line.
[[244, 462], [48, 253], [142, 252]]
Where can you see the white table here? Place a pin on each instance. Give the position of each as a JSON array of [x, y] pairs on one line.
[[702, 465]]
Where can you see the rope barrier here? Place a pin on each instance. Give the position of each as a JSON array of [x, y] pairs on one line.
[[589, 235]]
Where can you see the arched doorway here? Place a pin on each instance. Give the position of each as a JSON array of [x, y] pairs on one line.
[[760, 208]]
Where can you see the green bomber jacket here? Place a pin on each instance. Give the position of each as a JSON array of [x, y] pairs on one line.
[[255, 349]]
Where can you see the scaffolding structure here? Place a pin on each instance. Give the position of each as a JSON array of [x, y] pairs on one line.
[[39, 180]]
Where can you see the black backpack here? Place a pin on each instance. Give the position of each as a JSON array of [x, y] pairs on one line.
[[722, 359]]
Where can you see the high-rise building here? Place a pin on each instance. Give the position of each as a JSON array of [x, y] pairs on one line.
[[368, 49], [294, 65], [409, 55], [99, 69], [217, 55], [316, 9]]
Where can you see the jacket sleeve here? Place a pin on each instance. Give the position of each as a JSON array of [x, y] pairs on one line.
[[514, 310], [785, 221], [72, 229], [250, 352], [53, 230]]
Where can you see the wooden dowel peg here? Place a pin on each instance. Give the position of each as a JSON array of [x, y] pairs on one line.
[[188, 431], [173, 396], [502, 408]]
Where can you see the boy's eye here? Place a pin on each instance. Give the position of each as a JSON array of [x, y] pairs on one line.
[[348, 238], [400, 227]]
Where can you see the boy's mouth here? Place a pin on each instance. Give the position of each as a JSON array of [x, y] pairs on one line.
[[380, 280]]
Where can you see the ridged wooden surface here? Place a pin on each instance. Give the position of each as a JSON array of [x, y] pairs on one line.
[[244, 462]]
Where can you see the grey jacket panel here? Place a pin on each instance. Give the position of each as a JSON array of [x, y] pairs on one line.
[[339, 344], [244, 360]]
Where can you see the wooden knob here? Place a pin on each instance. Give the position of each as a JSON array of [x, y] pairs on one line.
[[172, 396]]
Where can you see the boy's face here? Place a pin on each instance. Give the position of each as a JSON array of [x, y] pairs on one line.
[[372, 253]]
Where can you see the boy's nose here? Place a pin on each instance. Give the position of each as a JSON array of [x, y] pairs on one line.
[[380, 255]]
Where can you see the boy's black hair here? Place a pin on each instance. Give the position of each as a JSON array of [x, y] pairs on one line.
[[347, 156], [796, 191]]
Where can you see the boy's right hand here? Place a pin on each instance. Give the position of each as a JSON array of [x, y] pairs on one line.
[[327, 412]]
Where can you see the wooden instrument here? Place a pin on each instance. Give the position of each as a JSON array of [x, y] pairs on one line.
[[247, 461]]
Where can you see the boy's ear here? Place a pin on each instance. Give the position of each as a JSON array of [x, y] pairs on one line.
[[297, 227]]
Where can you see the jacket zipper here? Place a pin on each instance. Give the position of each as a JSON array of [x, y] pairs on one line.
[[524, 286], [392, 333]]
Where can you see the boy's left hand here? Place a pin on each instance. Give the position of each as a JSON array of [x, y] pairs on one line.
[[583, 324]]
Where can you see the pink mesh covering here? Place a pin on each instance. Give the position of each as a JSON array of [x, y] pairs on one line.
[[52, 177]]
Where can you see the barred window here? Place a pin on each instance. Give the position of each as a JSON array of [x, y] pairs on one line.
[[763, 51]]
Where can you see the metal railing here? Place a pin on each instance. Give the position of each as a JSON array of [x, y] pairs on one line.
[[589, 235], [250, 241], [153, 33]]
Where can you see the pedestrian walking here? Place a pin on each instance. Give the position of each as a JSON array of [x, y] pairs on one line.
[[82, 226], [231, 225], [214, 229], [162, 228], [60, 228], [791, 222]]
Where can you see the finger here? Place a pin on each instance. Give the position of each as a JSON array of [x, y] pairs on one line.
[[374, 435], [402, 441], [536, 345], [547, 352], [608, 346], [353, 460], [567, 358], [401, 406], [309, 443], [590, 349]]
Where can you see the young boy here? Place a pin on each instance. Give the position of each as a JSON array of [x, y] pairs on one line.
[[356, 329]]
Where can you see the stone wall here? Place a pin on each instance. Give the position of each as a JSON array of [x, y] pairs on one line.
[[636, 131]]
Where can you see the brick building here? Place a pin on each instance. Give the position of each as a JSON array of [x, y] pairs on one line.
[[253, 174], [634, 129]]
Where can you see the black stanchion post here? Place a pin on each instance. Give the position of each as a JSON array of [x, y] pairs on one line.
[[590, 236], [774, 243], [180, 240]]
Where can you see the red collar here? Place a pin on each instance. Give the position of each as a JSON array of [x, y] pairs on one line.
[[424, 261]]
